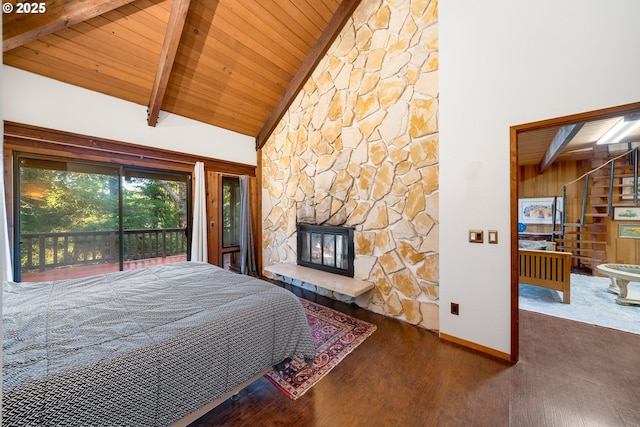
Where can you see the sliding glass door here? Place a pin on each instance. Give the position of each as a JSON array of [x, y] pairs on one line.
[[155, 214], [77, 218], [68, 219]]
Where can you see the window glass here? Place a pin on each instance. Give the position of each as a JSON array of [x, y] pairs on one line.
[[79, 219], [230, 212], [68, 220], [154, 217]]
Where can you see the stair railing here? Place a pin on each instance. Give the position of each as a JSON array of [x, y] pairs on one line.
[[585, 197], [632, 152], [612, 171], [633, 157]]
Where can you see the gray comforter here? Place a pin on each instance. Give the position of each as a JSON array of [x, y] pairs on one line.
[[141, 347]]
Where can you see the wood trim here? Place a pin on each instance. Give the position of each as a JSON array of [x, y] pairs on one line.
[[514, 179], [213, 216], [40, 137], [259, 260], [474, 346], [513, 185], [338, 21], [256, 219], [179, 10], [579, 118], [19, 29]]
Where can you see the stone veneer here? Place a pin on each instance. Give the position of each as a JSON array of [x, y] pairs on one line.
[[359, 147]]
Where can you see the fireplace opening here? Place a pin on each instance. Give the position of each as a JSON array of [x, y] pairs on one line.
[[326, 248]]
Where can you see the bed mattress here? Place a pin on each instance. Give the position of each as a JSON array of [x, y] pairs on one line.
[[141, 347]]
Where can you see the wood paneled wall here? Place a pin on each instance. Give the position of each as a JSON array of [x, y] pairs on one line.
[[621, 250], [550, 182]]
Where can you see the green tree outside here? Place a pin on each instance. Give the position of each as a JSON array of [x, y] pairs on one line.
[[56, 200]]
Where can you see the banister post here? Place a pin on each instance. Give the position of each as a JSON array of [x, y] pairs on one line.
[[41, 253], [611, 179], [585, 197]]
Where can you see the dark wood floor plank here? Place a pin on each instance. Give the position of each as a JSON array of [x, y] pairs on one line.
[[569, 374]]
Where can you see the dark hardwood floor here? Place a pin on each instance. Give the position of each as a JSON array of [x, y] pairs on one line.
[[569, 374]]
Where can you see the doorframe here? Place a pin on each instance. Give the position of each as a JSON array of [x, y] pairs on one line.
[[222, 251], [514, 131]]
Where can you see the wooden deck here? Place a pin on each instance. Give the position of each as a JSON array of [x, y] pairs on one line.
[[91, 270]]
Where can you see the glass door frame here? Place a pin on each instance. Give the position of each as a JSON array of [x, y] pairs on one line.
[[121, 170], [230, 251]]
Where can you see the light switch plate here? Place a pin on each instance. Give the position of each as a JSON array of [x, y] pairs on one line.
[[492, 237], [476, 236]]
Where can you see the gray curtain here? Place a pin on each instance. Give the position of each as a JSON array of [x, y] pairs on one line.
[[247, 250]]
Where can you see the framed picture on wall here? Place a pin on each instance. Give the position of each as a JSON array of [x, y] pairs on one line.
[[629, 231], [626, 214], [627, 192], [538, 210]]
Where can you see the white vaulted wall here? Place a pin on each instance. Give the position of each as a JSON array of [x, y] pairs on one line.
[[32, 99], [504, 63]]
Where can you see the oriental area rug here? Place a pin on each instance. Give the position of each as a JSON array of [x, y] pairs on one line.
[[335, 335]]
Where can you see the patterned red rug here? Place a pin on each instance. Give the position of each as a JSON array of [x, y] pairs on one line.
[[335, 335]]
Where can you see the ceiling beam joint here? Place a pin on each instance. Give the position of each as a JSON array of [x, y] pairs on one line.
[[19, 29], [337, 22]]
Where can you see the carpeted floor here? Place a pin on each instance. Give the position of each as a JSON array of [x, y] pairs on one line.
[[335, 335], [590, 303]]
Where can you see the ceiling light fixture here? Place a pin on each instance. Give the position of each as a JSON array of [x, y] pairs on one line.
[[618, 131]]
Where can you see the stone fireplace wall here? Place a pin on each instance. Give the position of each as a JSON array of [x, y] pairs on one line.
[[359, 147]]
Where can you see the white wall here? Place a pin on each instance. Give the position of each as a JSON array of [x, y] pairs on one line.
[[504, 63], [36, 100]]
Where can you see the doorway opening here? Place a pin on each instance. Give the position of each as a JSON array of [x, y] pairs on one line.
[[526, 148]]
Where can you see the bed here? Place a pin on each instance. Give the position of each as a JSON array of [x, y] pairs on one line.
[[545, 268], [141, 347]]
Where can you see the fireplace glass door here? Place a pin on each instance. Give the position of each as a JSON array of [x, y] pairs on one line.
[[326, 248]]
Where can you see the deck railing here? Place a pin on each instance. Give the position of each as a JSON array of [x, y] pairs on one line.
[[46, 251]]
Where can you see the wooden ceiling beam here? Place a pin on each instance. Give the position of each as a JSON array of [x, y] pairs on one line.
[[19, 29], [179, 10], [337, 22], [562, 138]]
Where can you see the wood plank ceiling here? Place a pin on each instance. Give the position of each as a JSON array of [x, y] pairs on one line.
[[231, 63], [534, 145], [235, 64]]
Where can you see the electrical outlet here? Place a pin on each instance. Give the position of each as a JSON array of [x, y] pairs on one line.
[[455, 308]]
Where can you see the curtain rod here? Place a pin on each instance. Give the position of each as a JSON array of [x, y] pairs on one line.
[[124, 153]]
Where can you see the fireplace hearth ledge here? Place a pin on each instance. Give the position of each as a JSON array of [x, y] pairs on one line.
[[334, 282]]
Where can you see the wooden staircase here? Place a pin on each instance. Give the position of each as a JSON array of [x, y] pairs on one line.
[[608, 185]]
